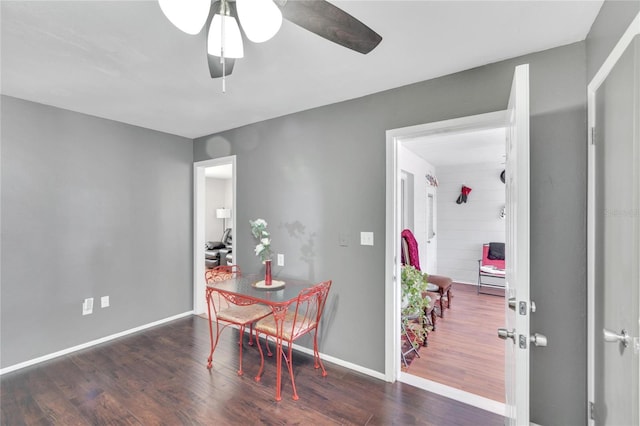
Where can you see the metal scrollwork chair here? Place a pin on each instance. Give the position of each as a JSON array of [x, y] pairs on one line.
[[289, 322], [230, 312]]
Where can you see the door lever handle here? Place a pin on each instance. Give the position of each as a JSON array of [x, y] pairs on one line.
[[612, 336], [505, 334]]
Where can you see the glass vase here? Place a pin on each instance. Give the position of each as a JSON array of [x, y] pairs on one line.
[[267, 272]]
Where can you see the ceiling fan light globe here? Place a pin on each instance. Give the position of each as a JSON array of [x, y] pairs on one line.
[[233, 47], [188, 15], [260, 19]]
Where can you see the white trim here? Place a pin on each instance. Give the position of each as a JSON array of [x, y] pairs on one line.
[[598, 79], [616, 53], [392, 221], [453, 393], [590, 275], [455, 125], [91, 343], [199, 208], [392, 268]]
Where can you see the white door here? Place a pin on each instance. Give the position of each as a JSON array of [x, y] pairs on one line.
[[615, 239], [517, 303]]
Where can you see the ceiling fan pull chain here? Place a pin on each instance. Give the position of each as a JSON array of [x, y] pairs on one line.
[[222, 44], [224, 77]]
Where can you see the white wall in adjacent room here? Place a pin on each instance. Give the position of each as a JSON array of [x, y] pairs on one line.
[[463, 228], [217, 195], [228, 200], [419, 168]]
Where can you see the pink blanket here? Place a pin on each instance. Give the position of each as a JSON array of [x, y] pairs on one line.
[[412, 249]]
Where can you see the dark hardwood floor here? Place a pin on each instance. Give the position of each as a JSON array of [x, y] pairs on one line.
[[464, 352], [159, 377]]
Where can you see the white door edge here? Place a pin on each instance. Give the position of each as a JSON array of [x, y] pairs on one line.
[[454, 393], [594, 84], [392, 222], [517, 360], [199, 207]]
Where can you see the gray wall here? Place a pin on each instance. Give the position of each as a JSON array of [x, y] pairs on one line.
[[319, 173], [90, 207]]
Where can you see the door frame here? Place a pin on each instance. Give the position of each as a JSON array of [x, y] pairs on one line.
[[596, 82], [199, 220], [392, 249]]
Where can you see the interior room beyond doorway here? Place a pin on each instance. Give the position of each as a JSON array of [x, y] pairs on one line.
[[450, 232]]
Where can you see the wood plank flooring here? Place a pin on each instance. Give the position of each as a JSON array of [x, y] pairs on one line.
[[464, 352], [159, 377]]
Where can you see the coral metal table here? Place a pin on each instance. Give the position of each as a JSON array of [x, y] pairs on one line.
[[242, 290]]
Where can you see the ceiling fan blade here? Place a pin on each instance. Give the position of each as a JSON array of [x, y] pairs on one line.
[[328, 21]]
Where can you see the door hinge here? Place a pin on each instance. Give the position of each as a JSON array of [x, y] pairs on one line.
[[592, 410], [593, 135]]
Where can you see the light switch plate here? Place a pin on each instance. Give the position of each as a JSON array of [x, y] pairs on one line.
[[87, 306], [104, 302], [366, 238], [280, 259]]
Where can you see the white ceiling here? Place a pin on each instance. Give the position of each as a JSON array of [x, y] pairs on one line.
[[449, 149], [124, 61], [219, 172]]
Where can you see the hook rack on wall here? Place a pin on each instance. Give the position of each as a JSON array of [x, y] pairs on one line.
[[431, 180]]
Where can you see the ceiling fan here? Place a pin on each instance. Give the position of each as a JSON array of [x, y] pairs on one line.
[[261, 20]]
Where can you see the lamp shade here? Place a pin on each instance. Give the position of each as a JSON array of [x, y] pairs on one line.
[[230, 39], [260, 19], [223, 213], [189, 16]]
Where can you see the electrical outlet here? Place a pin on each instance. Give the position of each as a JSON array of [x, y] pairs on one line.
[[104, 302], [87, 306], [366, 238], [280, 259]]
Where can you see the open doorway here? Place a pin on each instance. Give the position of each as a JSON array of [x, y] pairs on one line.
[[214, 218], [450, 235], [462, 350], [218, 218]]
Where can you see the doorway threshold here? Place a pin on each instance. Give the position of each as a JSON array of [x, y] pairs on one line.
[[453, 393]]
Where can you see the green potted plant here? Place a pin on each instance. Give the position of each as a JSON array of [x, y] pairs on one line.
[[415, 302]]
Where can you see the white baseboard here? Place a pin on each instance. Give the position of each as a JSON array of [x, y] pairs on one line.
[[89, 344], [342, 363], [475, 284]]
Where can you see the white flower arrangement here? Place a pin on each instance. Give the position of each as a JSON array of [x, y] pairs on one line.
[[260, 233]]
